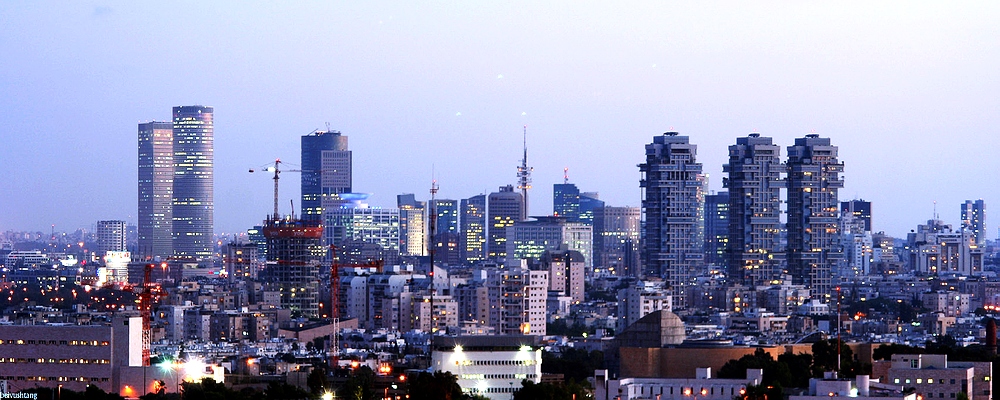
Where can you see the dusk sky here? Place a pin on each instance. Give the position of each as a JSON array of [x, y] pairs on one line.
[[909, 91]]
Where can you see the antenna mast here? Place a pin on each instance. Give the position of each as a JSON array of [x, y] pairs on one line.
[[524, 175]]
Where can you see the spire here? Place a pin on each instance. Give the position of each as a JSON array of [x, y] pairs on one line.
[[524, 175]]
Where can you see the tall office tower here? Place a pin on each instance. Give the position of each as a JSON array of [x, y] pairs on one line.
[[566, 201], [294, 252], [616, 231], [446, 238], [156, 187], [473, 234], [589, 201], [860, 211], [504, 208], [446, 214], [717, 229], [529, 239], [326, 171], [754, 182], [110, 236], [974, 220], [412, 225], [673, 205], [813, 234], [193, 203]]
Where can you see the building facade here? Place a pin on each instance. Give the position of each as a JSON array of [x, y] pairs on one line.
[[156, 186], [974, 220], [754, 183], [504, 208], [472, 242], [529, 239], [491, 366], [326, 171], [717, 229], [813, 180], [193, 191], [111, 236], [294, 253], [673, 204], [616, 240]]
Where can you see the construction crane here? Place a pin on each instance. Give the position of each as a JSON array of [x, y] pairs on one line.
[[146, 293], [277, 175]]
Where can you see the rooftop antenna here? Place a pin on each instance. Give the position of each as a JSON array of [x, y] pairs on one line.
[[935, 210], [430, 250], [565, 175], [328, 127], [524, 175]]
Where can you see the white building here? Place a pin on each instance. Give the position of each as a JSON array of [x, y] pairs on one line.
[[702, 387], [492, 366], [110, 236]]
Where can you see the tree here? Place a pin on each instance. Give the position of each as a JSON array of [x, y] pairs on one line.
[[317, 381], [439, 386], [359, 385], [575, 364], [548, 391]]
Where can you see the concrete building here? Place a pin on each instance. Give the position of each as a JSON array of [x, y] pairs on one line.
[[616, 240], [294, 253], [70, 356], [754, 182], [242, 261], [934, 377], [529, 239], [860, 388], [702, 386], [974, 220], [566, 272], [111, 236], [194, 182], [156, 186], [517, 298], [673, 204], [473, 230], [641, 299], [504, 208], [860, 210], [937, 250], [813, 234], [326, 171], [491, 366]]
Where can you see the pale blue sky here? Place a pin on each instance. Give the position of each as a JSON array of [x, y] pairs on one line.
[[908, 90]]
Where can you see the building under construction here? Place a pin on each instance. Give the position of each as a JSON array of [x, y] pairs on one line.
[[294, 253]]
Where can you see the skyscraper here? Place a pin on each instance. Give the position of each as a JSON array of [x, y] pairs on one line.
[[859, 210], [566, 201], [412, 225], [717, 229], [504, 208], [754, 182], [974, 220], [589, 201], [673, 204], [473, 239], [813, 234], [529, 239], [326, 171], [446, 214], [193, 196], [156, 186]]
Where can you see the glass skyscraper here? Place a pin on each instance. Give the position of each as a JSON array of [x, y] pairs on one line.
[[326, 171], [156, 187], [193, 186]]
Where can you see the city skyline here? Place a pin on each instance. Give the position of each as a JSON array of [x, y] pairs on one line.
[[909, 103]]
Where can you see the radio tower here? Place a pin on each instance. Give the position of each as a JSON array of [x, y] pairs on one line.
[[524, 176]]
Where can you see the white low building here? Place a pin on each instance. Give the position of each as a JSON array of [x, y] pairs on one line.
[[492, 366], [702, 387]]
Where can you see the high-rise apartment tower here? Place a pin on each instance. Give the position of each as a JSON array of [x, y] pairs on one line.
[[754, 182], [813, 233], [156, 186], [673, 205]]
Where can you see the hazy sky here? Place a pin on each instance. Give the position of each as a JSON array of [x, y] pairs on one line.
[[908, 90]]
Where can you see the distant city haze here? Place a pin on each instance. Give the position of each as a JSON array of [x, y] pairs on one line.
[[908, 91]]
